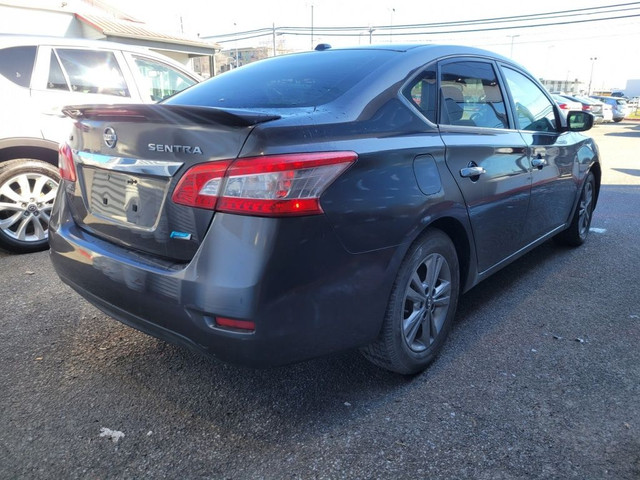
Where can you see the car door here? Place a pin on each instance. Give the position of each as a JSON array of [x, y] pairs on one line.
[[487, 157], [552, 155]]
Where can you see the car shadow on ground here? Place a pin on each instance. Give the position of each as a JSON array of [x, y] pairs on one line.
[[629, 171], [632, 129], [324, 392]]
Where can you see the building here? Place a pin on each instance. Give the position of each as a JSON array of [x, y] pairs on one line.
[[96, 20], [571, 87]]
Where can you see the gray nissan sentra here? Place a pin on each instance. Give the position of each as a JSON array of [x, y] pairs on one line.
[[320, 201]]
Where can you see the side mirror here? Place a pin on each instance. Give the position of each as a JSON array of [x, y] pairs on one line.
[[579, 121]]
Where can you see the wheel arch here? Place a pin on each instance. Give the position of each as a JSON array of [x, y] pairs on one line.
[[34, 148], [458, 235]]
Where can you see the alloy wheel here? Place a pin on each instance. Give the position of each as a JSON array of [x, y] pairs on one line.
[[426, 302], [26, 201]]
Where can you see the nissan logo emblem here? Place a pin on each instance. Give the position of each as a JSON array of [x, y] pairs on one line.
[[110, 138]]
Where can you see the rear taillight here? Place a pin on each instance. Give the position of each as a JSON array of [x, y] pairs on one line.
[[200, 186], [586, 108], [65, 163], [563, 106], [279, 185]]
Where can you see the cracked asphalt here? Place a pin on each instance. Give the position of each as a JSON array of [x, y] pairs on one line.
[[540, 378]]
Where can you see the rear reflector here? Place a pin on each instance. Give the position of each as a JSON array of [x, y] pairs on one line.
[[279, 185], [65, 163], [232, 323]]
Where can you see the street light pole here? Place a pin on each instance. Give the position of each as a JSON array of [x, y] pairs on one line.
[[593, 61], [393, 10], [235, 26]]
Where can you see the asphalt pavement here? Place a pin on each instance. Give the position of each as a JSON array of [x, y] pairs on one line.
[[540, 378]]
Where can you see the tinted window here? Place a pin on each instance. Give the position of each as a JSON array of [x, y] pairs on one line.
[[300, 80], [93, 71], [423, 94], [534, 111], [161, 80], [470, 95], [16, 64], [56, 80]]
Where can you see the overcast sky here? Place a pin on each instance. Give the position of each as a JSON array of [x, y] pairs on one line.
[[560, 52]]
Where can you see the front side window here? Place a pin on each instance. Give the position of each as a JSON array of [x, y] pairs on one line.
[[470, 95], [161, 81], [16, 64], [93, 71], [534, 111]]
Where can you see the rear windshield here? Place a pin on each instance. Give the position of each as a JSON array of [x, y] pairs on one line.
[[300, 80]]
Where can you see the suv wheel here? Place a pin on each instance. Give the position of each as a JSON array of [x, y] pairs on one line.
[[27, 191]]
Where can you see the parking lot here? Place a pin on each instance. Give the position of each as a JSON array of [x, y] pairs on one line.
[[540, 378]]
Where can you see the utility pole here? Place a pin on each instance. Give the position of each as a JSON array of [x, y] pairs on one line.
[[512, 38], [273, 31], [312, 26]]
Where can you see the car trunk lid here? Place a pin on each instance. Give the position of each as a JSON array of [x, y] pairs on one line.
[[129, 158]]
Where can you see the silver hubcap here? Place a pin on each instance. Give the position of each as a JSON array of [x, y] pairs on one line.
[[25, 206], [584, 214], [426, 302]]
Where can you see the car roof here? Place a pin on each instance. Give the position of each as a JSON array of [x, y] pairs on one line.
[[10, 40]]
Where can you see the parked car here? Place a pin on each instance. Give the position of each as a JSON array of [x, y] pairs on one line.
[[607, 112], [38, 76], [565, 104], [618, 105], [588, 105], [320, 201]]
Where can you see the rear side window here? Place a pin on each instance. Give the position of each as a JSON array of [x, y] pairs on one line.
[[56, 80], [298, 80], [16, 64], [534, 111], [422, 93], [161, 80], [470, 95], [93, 71]]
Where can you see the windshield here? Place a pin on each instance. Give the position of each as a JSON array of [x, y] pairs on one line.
[[300, 80]]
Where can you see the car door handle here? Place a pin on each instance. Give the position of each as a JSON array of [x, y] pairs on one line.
[[538, 162], [472, 172]]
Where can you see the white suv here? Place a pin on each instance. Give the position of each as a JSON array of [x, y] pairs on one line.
[[40, 75]]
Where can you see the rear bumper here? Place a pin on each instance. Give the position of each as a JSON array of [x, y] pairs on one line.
[[305, 293]]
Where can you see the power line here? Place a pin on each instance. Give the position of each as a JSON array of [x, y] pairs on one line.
[[381, 31], [442, 27]]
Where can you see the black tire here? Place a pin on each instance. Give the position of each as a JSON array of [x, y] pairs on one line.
[[404, 344], [578, 230], [618, 119], [27, 192]]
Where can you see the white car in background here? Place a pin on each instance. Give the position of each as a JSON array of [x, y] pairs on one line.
[[39, 76]]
